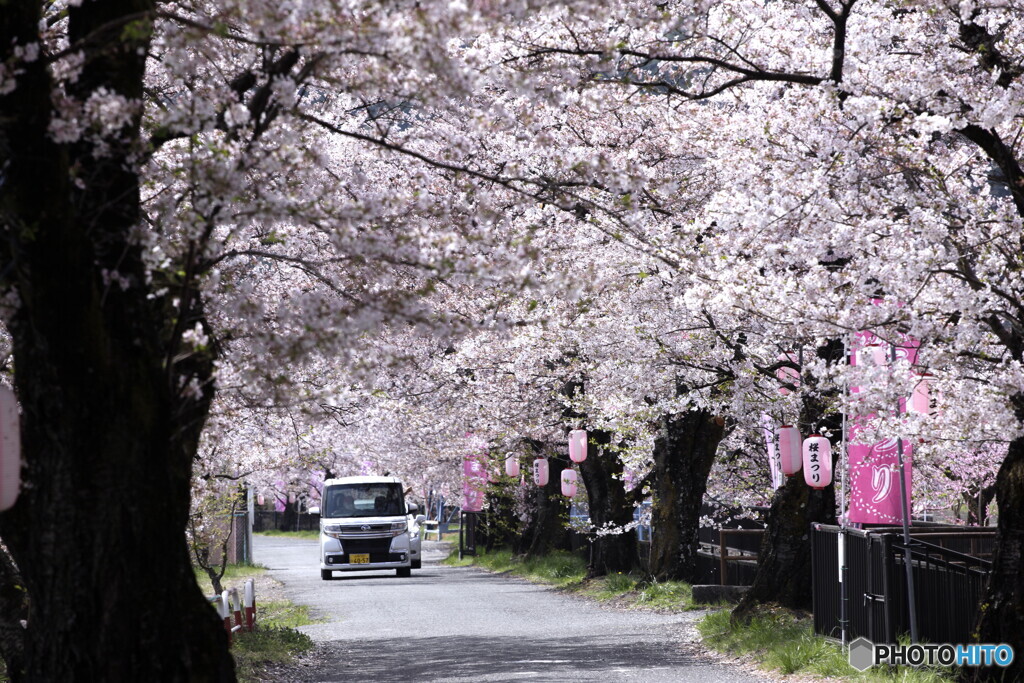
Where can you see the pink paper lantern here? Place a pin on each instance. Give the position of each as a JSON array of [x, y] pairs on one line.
[[789, 449], [923, 399], [569, 483], [511, 465], [817, 461], [540, 471], [10, 449], [260, 500], [787, 374], [291, 497], [578, 445]]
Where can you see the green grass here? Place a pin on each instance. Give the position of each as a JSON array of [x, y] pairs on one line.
[[611, 586], [275, 640], [313, 533], [559, 568], [234, 576], [267, 645], [666, 594], [283, 614], [782, 642], [569, 572]]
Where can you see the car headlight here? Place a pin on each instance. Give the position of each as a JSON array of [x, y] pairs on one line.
[[399, 528], [332, 530]]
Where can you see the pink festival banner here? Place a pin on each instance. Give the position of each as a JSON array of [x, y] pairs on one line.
[[474, 481], [875, 482], [874, 468]]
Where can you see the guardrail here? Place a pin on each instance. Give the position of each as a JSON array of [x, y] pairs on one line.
[[242, 609], [728, 550], [948, 583]]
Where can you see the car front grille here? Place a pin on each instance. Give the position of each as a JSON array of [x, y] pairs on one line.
[[373, 546], [366, 530]]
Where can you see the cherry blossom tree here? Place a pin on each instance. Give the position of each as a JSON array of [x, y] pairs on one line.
[[184, 184], [873, 150]]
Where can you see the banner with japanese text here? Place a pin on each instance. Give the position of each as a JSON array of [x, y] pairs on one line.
[[874, 468]]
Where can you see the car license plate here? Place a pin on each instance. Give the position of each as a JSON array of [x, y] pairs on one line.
[[359, 558]]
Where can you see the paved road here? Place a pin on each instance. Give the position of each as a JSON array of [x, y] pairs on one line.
[[461, 624]]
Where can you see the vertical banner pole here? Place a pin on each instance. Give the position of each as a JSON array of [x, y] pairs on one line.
[[911, 598], [844, 465]]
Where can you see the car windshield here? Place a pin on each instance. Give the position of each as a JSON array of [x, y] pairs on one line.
[[364, 500]]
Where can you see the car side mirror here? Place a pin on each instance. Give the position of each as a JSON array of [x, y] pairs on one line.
[[420, 519], [314, 510], [413, 508]]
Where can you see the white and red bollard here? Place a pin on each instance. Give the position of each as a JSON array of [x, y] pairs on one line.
[[236, 607], [239, 608], [250, 605], [224, 609]]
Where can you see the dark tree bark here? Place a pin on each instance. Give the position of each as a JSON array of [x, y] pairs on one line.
[[110, 419], [610, 505], [784, 560], [608, 502], [547, 529], [683, 456], [1001, 617], [13, 610], [290, 517]]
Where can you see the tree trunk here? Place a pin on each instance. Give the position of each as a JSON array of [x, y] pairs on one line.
[[547, 528], [1001, 617], [683, 456], [13, 610], [609, 505], [290, 517], [111, 407], [784, 560]]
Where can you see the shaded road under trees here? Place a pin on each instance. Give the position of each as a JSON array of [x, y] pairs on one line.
[[459, 624]]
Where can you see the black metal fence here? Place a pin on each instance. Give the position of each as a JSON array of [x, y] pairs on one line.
[[729, 556], [728, 551], [269, 520], [948, 583]]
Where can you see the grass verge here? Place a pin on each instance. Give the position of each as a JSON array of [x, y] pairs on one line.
[[569, 572], [275, 640], [780, 641], [309, 533], [559, 568]]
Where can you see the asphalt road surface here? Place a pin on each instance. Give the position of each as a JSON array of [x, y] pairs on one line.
[[462, 624]]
